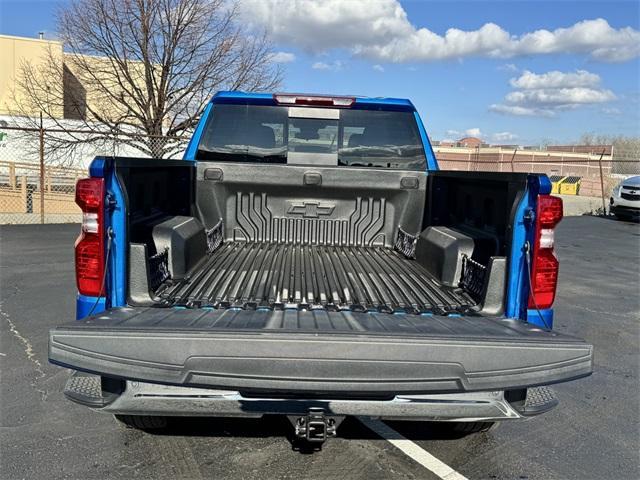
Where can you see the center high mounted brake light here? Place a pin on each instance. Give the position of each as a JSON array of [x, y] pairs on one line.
[[313, 100]]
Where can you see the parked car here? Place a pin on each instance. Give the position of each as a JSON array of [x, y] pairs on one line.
[[308, 258], [625, 199]]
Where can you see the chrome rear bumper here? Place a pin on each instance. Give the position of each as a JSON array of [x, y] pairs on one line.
[[139, 398]]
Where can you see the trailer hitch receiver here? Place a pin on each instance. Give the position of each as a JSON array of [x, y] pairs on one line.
[[315, 426]]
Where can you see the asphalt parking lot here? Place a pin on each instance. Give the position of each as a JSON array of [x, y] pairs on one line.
[[594, 433]]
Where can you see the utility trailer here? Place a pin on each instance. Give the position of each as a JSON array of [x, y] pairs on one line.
[[308, 258]]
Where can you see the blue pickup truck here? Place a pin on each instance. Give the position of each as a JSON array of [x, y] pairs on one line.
[[308, 258]]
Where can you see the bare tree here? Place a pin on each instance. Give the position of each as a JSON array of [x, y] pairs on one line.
[[143, 67], [625, 153]]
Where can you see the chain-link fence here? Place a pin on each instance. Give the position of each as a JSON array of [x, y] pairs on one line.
[[21, 193], [39, 168]]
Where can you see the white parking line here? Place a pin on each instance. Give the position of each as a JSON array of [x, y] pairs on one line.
[[412, 450]]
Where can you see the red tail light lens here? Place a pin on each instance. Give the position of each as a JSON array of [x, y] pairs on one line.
[[544, 278], [549, 211], [90, 193], [545, 265], [89, 246]]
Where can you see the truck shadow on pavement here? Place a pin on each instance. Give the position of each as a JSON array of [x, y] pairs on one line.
[[278, 425]]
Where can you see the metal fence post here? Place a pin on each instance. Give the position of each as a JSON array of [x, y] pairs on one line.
[[12, 176], [604, 208], [41, 135], [23, 194]]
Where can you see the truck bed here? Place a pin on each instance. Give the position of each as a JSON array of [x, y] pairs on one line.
[[270, 275]]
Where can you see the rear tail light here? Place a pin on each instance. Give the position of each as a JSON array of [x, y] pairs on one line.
[[544, 264], [90, 256], [314, 100]]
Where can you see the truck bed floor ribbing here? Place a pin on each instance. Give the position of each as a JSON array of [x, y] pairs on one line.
[[254, 275]]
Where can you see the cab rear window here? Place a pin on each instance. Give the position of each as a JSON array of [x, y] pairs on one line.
[[312, 136]]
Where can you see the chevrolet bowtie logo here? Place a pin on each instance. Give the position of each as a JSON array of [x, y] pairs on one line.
[[310, 209]]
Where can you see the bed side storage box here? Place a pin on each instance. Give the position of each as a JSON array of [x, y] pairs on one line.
[[186, 241], [440, 250]]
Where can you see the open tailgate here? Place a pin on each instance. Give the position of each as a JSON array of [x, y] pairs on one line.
[[318, 352]]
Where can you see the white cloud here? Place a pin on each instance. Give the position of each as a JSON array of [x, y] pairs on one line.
[[378, 68], [547, 93], [611, 111], [335, 65], [476, 132], [620, 53], [508, 67], [555, 79], [283, 57], [470, 132], [520, 111], [559, 97], [594, 37], [319, 25], [381, 30], [503, 136]]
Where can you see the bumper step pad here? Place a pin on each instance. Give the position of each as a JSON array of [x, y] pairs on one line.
[[87, 389], [539, 400]]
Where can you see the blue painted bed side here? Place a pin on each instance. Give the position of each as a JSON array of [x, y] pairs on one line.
[[518, 280], [84, 304], [117, 220], [534, 318], [97, 166]]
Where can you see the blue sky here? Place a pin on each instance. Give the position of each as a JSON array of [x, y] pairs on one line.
[[585, 78]]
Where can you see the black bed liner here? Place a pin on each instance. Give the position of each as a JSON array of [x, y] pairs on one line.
[[318, 351], [254, 274]]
